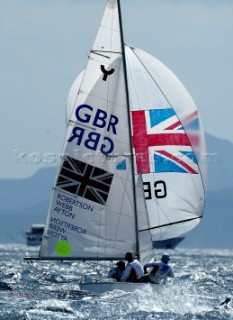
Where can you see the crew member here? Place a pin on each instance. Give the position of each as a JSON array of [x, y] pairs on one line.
[[160, 270], [133, 271]]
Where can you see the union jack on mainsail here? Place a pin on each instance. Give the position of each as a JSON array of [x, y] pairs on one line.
[[160, 142], [84, 180]]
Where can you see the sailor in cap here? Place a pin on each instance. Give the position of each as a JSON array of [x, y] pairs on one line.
[[160, 270]]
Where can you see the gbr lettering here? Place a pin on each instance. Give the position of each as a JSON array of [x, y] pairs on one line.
[[96, 118]]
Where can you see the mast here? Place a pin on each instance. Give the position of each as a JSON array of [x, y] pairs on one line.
[[130, 131]]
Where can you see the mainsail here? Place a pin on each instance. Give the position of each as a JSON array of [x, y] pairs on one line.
[[92, 208]]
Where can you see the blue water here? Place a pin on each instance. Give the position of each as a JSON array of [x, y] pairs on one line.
[[48, 290]]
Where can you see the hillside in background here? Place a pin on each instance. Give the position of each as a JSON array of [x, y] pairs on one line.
[[215, 229], [220, 155], [25, 201]]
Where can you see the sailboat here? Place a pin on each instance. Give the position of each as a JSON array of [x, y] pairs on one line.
[[132, 170]]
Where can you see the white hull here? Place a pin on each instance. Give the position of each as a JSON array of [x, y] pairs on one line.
[[105, 286]]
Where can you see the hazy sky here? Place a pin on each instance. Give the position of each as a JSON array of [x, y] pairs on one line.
[[44, 45]]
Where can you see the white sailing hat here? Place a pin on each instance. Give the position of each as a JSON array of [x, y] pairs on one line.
[[165, 257]]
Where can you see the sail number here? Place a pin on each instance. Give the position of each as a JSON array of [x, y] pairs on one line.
[[157, 190], [93, 140]]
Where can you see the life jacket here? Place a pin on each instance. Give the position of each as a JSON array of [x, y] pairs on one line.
[[159, 272], [154, 270]]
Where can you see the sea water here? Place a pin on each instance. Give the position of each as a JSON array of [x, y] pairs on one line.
[[47, 290]]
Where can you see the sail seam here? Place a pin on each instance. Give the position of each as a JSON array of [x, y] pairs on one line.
[[82, 125], [151, 76]]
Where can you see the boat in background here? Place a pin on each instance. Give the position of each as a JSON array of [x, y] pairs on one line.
[[35, 234], [168, 243], [131, 172]]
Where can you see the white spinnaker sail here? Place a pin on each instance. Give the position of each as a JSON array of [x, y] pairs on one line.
[[91, 214], [175, 192], [170, 147]]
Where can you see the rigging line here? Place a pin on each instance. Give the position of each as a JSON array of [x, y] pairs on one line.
[[170, 224], [130, 72], [132, 49], [106, 51], [99, 54]]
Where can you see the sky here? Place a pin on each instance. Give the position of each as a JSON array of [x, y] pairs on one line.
[[45, 44]]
